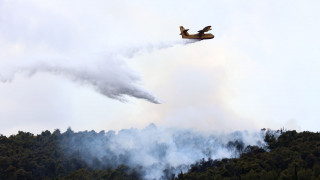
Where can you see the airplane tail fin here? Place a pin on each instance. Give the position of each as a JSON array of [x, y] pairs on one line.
[[184, 32]]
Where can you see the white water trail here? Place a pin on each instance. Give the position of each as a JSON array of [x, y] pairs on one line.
[[107, 73]]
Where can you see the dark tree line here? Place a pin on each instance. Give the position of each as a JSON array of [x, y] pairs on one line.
[[291, 156], [49, 155], [26, 156]]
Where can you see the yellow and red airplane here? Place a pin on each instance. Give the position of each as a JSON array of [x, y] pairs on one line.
[[200, 35]]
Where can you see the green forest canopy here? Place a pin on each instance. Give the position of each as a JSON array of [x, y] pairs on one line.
[[292, 155]]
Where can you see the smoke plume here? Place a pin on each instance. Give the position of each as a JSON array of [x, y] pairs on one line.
[[156, 149]]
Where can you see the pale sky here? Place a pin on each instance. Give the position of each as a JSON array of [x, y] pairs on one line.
[[260, 71]]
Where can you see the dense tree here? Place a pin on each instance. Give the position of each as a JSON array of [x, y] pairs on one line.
[[57, 155], [48, 156], [290, 156]]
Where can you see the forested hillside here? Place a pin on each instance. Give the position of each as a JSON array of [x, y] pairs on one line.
[[292, 156], [47, 156]]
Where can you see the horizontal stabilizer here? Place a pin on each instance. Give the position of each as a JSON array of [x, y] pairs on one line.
[[184, 31]]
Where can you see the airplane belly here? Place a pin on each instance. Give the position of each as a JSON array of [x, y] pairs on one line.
[[205, 36]]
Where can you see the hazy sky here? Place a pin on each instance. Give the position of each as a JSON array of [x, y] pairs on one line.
[[260, 70]]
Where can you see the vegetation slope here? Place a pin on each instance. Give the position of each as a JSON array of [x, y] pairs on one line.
[[290, 156]]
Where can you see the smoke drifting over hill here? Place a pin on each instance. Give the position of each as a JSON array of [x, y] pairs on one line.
[[156, 149]]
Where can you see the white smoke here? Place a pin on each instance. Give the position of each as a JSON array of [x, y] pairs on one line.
[[157, 149]]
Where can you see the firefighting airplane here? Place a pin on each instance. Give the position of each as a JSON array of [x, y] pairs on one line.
[[200, 35]]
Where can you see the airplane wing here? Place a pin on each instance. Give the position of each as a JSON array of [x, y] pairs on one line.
[[206, 29], [201, 32]]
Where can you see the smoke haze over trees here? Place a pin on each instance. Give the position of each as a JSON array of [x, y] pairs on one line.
[[292, 156], [163, 155], [145, 153]]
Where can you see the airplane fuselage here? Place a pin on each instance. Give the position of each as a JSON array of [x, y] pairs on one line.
[[201, 35], [197, 36]]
